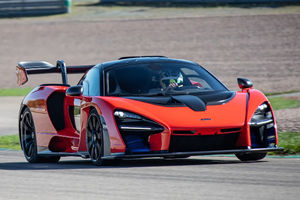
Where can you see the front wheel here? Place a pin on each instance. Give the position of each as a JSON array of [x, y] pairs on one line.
[[94, 138], [250, 156]]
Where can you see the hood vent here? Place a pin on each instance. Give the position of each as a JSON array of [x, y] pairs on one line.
[[193, 102]]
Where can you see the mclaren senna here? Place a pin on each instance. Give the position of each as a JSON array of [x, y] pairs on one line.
[[137, 107]]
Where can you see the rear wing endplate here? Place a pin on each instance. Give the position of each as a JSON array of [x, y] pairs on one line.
[[42, 67]]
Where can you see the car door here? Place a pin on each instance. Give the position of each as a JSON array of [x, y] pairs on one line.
[[91, 87]]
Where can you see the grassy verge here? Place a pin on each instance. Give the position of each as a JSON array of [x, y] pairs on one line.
[[288, 140], [15, 91], [10, 142], [283, 103], [279, 93]]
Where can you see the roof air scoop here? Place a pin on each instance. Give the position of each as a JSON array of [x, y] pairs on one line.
[[193, 102]]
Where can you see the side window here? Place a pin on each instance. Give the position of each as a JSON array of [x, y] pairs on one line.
[[91, 83], [85, 85]]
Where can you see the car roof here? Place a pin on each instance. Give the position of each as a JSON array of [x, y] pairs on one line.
[[140, 60]]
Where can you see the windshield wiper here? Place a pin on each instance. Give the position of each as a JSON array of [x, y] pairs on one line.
[[161, 93], [167, 93]]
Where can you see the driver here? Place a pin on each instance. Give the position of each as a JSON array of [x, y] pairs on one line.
[[171, 78]]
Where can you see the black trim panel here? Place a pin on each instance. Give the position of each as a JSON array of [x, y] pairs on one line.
[[211, 98], [55, 107]]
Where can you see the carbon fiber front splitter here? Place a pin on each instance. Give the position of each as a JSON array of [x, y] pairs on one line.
[[193, 153], [166, 154]]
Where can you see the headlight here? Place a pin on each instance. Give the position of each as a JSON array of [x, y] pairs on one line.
[[126, 115], [262, 116], [131, 123], [135, 130], [261, 109], [262, 129]]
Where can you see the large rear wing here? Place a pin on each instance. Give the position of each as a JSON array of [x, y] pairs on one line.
[[41, 67]]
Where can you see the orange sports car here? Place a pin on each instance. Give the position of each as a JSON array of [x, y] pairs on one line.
[[146, 106]]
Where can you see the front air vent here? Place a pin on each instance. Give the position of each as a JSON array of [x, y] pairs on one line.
[[184, 132], [231, 130], [185, 143], [55, 107]]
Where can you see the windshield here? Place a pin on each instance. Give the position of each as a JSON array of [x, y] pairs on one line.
[[155, 79]]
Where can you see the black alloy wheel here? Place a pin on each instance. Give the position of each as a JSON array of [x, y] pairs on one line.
[[94, 138], [28, 140]]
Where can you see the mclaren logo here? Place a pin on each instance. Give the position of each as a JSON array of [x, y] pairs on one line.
[[205, 119]]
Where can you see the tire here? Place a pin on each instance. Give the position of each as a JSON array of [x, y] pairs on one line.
[[94, 138], [28, 140], [250, 156]]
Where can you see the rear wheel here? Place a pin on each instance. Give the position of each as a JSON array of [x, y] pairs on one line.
[[250, 156], [28, 140], [94, 138]]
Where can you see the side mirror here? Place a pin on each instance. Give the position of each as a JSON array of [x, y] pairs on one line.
[[75, 90], [244, 83]]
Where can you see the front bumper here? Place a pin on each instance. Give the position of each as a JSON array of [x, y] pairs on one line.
[[193, 153]]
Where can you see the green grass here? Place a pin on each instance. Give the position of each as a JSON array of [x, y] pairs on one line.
[[290, 142], [283, 103], [10, 142], [15, 91], [279, 93]]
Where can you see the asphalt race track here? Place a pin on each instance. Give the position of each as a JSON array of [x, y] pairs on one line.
[[192, 178]]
